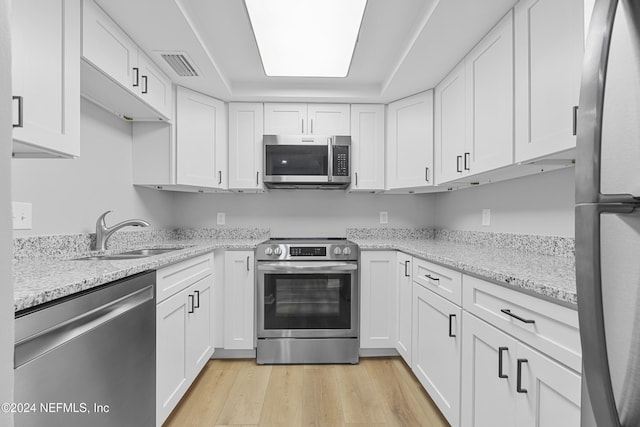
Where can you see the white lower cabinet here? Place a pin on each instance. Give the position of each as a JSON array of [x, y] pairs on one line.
[[239, 296], [404, 309], [437, 346], [378, 310], [506, 383], [184, 334]]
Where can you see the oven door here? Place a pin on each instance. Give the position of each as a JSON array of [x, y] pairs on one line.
[[314, 299]]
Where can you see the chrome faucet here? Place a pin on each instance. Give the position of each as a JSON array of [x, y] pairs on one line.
[[103, 232]]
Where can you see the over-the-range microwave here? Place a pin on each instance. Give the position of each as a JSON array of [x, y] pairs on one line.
[[307, 161]]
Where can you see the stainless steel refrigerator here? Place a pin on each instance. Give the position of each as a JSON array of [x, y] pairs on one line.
[[608, 216]]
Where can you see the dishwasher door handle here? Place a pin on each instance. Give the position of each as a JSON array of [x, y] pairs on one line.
[[31, 347]]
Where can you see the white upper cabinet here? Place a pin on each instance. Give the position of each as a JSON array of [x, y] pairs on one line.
[[284, 119], [367, 147], [201, 140], [154, 87], [549, 46], [117, 75], [308, 119], [108, 48], [410, 142], [328, 119], [46, 78], [474, 109], [245, 146], [450, 123], [489, 73]]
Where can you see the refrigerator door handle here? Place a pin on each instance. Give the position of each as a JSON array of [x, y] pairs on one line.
[[595, 358], [591, 106]]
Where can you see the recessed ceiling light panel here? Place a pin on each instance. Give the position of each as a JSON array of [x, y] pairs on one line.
[[306, 38]]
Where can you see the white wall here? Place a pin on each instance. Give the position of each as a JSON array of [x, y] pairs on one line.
[[303, 213], [6, 248], [69, 195], [539, 204]]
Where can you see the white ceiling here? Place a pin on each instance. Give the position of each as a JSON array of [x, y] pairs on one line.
[[404, 47]]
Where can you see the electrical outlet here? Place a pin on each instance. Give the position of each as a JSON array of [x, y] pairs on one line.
[[22, 214], [221, 218], [486, 217], [384, 217]]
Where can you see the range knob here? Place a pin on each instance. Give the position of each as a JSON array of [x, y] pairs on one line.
[[347, 251], [268, 251], [337, 251], [278, 251]]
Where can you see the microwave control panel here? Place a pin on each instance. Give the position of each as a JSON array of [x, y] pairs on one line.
[[340, 160]]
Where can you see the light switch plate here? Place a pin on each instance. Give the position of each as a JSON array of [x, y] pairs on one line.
[[221, 218], [486, 217], [384, 217], [22, 214]]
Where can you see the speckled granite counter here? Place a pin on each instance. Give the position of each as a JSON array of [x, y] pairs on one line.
[[552, 277], [39, 280]]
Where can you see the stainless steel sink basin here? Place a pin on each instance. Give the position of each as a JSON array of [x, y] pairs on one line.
[[138, 253]]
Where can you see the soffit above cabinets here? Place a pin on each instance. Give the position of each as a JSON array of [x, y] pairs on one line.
[[404, 47]]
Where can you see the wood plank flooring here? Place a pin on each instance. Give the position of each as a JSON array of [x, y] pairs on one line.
[[376, 392]]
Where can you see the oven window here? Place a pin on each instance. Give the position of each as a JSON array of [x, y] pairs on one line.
[[307, 301], [296, 159]]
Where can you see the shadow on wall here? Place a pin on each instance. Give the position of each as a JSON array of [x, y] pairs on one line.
[[537, 204]]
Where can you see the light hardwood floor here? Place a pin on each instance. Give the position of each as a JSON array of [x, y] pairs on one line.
[[376, 392]]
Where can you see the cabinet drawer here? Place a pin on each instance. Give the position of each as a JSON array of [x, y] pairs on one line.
[[443, 281], [177, 277], [548, 327]]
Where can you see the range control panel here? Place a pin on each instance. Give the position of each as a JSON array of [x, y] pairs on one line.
[[307, 251]]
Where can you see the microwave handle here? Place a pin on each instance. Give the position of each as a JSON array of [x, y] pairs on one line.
[[330, 159]]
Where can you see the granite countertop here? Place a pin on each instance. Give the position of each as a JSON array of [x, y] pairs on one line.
[[552, 277], [40, 280]]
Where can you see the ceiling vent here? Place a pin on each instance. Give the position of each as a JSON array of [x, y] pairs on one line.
[[180, 64]]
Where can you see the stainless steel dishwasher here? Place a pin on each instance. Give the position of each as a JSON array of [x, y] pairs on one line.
[[89, 360]]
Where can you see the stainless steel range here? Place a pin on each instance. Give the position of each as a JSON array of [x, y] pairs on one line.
[[308, 301]]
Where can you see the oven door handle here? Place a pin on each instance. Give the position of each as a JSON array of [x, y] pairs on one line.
[[301, 267]]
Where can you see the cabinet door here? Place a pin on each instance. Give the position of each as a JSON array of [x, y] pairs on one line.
[[367, 147], [489, 70], [172, 370], [199, 325], [239, 295], [437, 325], [201, 129], [404, 294], [549, 45], [245, 145], [285, 119], [154, 87], [378, 299], [46, 77], [328, 119], [488, 375], [553, 392], [108, 48], [410, 142], [449, 127]]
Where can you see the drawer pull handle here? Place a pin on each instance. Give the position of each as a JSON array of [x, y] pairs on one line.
[[406, 266], [428, 276], [451, 317], [515, 316], [501, 350], [519, 388]]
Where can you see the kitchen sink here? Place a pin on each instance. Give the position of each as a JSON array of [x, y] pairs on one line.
[[137, 253]]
